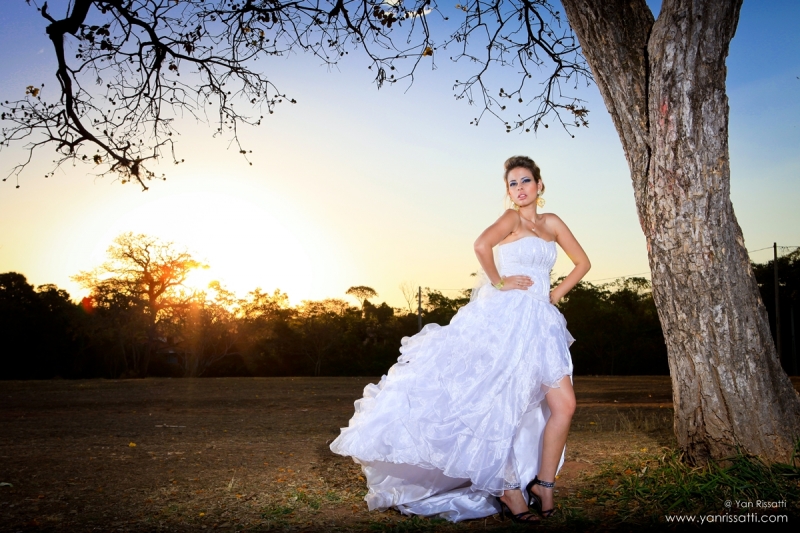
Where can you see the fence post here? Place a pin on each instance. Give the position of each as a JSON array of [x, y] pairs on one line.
[[777, 301], [794, 344], [419, 309]]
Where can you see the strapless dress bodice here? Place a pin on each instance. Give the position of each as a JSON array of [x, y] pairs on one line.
[[530, 256]]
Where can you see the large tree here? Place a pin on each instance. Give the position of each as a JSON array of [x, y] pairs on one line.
[[663, 82]]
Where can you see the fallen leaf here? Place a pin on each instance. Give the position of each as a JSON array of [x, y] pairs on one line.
[[132, 445]]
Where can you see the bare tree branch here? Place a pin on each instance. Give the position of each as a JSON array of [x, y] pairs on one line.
[[141, 64]]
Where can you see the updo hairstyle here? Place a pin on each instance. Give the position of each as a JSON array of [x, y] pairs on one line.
[[524, 162]]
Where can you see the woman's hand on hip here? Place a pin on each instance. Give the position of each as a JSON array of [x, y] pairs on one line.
[[516, 283]]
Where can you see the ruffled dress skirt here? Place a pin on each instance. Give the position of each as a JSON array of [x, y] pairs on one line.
[[461, 414]]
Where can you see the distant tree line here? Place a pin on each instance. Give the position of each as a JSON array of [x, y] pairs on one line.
[[142, 320]]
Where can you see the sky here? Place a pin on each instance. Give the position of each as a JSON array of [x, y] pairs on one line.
[[359, 186]]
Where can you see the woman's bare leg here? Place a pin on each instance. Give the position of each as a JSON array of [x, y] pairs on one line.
[[561, 401]]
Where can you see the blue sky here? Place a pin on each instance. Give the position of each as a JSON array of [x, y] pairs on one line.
[[359, 186]]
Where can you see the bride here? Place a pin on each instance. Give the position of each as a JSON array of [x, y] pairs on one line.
[[473, 418]]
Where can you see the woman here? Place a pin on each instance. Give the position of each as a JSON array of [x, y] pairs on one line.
[[474, 411]]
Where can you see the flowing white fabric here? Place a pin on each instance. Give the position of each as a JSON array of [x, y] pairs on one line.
[[434, 437]]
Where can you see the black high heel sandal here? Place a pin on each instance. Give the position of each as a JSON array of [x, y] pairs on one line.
[[534, 500], [525, 517]]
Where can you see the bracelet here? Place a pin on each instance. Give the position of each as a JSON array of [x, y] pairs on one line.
[[499, 284]]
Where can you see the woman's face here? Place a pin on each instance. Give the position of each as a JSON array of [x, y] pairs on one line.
[[522, 188]]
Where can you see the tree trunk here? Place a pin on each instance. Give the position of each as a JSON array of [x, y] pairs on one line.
[[663, 82]]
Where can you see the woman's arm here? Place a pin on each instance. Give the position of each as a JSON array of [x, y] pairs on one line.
[[574, 251], [491, 237]]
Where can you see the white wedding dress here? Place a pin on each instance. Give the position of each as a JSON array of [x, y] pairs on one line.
[[461, 414]]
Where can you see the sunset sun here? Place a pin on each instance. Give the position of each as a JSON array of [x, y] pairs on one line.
[[243, 246]]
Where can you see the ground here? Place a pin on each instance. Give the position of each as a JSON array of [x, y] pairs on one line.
[[244, 453]]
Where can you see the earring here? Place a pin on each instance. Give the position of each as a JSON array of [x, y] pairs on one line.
[[540, 201]]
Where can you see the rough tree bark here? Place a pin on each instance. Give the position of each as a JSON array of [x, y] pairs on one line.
[[663, 81]]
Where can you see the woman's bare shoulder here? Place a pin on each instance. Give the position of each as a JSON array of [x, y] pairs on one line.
[[552, 217], [509, 216], [555, 223]]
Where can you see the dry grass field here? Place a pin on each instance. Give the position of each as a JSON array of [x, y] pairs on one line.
[[246, 454]]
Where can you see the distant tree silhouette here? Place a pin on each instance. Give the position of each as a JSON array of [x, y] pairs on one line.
[[205, 330], [439, 308], [140, 285], [322, 325], [410, 295], [362, 293], [40, 330]]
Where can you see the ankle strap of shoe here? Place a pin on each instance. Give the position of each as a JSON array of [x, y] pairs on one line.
[[545, 484]]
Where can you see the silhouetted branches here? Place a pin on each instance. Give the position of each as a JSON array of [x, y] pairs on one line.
[[532, 37], [127, 69]]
